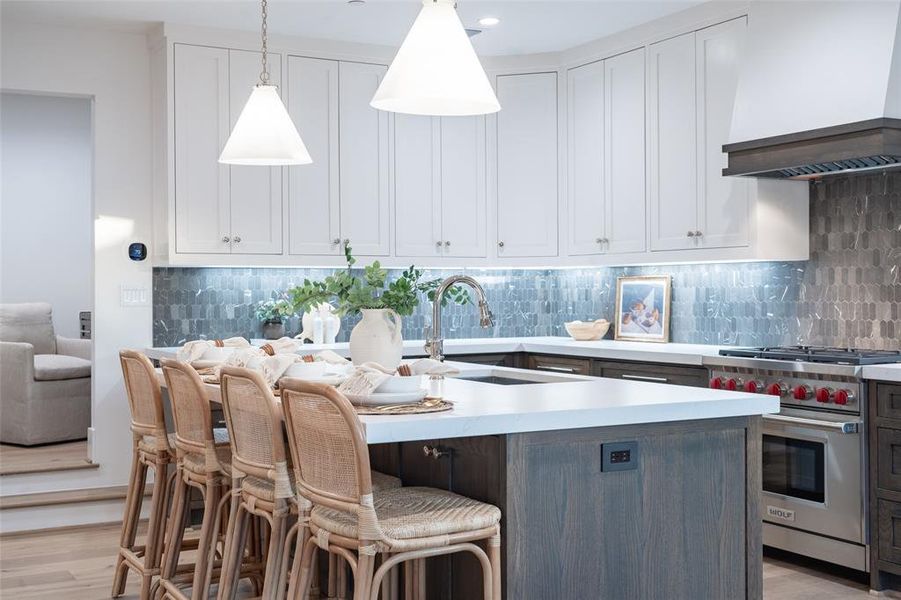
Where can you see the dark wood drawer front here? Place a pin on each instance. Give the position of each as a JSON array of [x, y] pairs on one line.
[[674, 375], [494, 360], [888, 401], [889, 522], [888, 458], [559, 364]]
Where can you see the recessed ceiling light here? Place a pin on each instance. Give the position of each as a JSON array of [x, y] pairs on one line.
[[489, 21]]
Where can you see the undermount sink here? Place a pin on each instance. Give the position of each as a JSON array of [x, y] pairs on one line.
[[512, 377]]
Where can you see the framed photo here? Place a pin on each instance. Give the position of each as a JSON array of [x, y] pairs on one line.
[[643, 308]]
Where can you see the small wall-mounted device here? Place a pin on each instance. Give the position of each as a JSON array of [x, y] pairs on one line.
[[137, 251], [619, 456]]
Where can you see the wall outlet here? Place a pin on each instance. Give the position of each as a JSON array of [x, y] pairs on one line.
[[619, 456]]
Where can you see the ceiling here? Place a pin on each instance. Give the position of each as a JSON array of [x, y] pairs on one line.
[[527, 26]]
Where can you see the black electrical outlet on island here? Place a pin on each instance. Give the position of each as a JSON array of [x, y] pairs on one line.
[[619, 456]]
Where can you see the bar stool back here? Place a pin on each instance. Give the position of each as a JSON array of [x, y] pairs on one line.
[[150, 452]]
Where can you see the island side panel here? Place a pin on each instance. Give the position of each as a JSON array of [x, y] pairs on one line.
[[754, 511], [678, 526]]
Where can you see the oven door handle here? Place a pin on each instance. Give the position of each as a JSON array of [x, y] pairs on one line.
[[841, 427]]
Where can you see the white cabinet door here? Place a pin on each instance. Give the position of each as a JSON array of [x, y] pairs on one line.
[[586, 183], [673, 146], [624, 153], [463, 186], [526, 162], [256, 192], [313, 201], [365, 209], [417, 203], [202, 214], [723, 202]]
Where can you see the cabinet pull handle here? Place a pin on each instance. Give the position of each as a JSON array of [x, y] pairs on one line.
[[540, 367], [645, 378], [237, 239], [435, 452], [226, 239]]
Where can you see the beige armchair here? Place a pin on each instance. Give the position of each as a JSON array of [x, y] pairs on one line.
[[45, 379]]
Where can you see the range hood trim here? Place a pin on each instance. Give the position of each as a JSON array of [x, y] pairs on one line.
[[771, 157]]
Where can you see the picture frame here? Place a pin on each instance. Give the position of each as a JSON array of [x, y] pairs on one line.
[[643, 306]]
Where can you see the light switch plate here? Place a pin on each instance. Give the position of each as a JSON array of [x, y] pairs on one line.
[[134, 296]]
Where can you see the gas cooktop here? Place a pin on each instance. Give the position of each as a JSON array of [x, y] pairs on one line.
[[818, 354]]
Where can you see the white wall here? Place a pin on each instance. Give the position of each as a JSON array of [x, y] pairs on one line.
[[114, 69], [45, 204]]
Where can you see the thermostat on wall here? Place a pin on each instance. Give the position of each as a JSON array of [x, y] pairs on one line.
[[137, 251]]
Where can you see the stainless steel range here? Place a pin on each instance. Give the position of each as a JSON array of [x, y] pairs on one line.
[[814, 450]]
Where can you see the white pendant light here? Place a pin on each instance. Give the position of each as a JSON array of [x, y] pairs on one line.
[[436, 71], [264, 133]]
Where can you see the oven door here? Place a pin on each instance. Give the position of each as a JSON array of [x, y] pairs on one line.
[[813, 473]]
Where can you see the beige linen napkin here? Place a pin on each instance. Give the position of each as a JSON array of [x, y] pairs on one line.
[[192, 351], [270, 367], [284, 345], [363, 381], [428, 366]]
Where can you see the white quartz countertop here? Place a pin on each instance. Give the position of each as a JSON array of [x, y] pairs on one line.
[[680, 354], [882, 372]]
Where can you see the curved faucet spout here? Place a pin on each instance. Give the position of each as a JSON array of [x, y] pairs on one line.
[[435, 343]]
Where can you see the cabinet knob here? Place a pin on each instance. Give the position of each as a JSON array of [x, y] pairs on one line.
[[226, 239], [691, 234], [446, 243], [435, 452], [438, 243], [698, 234], [346, 241], [500, 244], [599, 240], [336, 241], [237, 239]]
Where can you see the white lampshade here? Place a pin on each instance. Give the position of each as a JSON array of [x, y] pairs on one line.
[[264, 133], [436, 71]]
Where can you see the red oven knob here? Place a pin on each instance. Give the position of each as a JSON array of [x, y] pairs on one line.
[[754, 386], [801, 392], [717, 383], [777, 389], [733, 384], [843, 397], [824, 394]]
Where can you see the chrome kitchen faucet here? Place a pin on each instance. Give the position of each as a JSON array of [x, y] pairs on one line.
[[434, 344]]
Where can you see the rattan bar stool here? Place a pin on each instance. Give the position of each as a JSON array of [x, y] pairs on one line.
[[150, 452], [203, 463], [331, 466]]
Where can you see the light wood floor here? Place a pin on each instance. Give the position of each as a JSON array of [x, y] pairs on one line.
[[77, 564], [15, 460]]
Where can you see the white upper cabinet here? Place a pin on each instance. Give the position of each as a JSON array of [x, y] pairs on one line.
[[672, 137], [256, 192], [313, 193], [202, 212], [364, 161], [526, 165], [439, 186], [607, 156], [624, 153], [723, 202], [586, 182]]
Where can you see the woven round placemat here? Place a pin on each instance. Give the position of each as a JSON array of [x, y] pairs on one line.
[[429, 405]]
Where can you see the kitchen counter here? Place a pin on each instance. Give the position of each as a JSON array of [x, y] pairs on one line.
[[882, 372], [677, 354]]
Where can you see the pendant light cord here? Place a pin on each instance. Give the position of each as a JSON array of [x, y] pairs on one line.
[[264, 74]]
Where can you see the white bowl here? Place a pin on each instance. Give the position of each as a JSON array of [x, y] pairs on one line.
[[307, 370], [400, 385], [217, 354], [585, 331]]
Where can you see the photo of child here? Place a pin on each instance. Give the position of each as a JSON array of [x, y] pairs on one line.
[[642, 306]]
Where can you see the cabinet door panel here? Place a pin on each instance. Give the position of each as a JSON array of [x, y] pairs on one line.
[[723, 202], [363, 138], [527, 165], [417, 206], [202, 215], [313, 202], [624, 155], [587, 176], [256, 192], [463, 187], [673, 149]]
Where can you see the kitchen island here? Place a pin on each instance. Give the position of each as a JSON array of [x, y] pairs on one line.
[[609, 488]]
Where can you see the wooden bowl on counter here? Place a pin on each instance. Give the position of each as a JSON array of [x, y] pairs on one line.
[[587, 331]]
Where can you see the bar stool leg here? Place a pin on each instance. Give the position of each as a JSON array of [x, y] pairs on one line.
[[277, 532], [133, 498], [155, 527], [235, 541], [207, 538], [363, 576], [494, 556], [408, 579]]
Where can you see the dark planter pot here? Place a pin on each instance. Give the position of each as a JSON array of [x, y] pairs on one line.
[[273, 330]]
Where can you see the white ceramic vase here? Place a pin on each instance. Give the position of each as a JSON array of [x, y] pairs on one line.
[[377, 338]]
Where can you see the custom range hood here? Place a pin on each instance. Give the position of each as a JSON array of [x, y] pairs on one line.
[[819, 91]]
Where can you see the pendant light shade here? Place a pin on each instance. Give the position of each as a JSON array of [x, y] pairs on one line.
[[264, 133], [436, 71]]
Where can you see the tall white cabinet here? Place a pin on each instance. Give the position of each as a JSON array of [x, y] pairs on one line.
[[439, 186], [219, 208], [526, 165], [606, 155]]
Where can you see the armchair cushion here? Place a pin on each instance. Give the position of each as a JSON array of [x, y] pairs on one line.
[[73, 347], [54, 367], [30, 323]]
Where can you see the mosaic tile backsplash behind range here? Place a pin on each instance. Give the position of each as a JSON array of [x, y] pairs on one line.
[[847, 294]]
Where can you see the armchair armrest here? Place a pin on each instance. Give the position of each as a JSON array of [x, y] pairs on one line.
[[73, 347], [16, 370]]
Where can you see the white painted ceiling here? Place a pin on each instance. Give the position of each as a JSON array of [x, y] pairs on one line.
[[527, 26]]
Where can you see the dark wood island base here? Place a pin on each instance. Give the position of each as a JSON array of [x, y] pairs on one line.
[[682, 523]]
